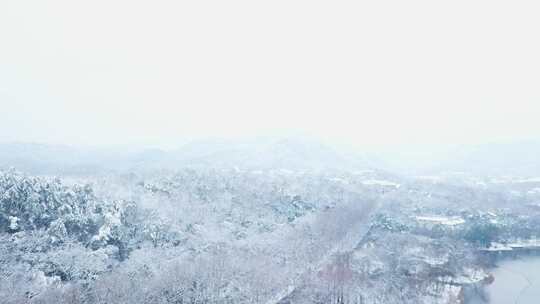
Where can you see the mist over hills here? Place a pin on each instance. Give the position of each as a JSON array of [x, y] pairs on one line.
[[512, 158], [266, 153], [298, 153]]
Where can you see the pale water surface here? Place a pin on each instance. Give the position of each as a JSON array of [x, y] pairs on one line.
[[516, 282]]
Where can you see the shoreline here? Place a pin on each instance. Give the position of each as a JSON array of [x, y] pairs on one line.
[[511, 281]]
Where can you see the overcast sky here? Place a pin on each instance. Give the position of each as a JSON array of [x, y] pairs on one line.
[[368, 72]]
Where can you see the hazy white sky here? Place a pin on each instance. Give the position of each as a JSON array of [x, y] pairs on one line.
[[370, 72]]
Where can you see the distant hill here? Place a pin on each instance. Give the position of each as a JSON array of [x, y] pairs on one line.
[[293, 153], [520, 158], [513, 158]]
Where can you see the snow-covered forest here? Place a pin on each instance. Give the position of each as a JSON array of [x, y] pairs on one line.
[[316, 232]]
